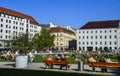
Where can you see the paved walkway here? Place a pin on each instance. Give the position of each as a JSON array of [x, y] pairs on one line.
[[40, 66]]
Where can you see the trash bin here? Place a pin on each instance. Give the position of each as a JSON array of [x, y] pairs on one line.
[[80, 66]]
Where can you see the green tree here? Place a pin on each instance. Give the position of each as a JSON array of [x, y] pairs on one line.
[[21, 43], [43, 40]]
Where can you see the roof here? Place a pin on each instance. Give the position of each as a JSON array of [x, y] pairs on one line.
[[45, 26], [17, 14], [101, 24], [61, 29]]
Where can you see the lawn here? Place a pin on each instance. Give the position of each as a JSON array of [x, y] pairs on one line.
[[19, 72], [71, 59]]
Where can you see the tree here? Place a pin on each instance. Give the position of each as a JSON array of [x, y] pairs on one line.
[[43, 40], [21, 43]]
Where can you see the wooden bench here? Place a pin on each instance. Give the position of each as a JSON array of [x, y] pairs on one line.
[[50, 64], [104, 64]]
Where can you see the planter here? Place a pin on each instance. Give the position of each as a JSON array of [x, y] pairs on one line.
[[21, 62]]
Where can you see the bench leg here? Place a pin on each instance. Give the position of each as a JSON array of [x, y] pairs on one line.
[[67, 67], [51, 66], [93, 69], [46, 66]]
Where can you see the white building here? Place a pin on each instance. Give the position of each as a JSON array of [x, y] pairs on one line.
[[15, 23], [99, 35]]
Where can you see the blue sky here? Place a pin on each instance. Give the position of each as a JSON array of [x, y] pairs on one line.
[[75, 13]]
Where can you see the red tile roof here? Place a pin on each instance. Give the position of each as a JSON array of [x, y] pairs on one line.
[[61, 29], [101, 24], [17, 14]]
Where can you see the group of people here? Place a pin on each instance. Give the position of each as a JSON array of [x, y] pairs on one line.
[[57, 57], [102, 59]]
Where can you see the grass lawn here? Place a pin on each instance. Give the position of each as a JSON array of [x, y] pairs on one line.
[[19, 72]]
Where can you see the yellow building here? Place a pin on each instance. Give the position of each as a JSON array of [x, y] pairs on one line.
[[62, 37]]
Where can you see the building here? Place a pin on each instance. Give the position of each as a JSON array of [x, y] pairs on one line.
[[47, 26], [62, 37], [15, 23], [99, 35]]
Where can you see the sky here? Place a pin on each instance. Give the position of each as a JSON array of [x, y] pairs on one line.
[[74, 13]]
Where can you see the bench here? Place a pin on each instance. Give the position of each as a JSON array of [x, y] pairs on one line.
[[104, 64], [50, 64]]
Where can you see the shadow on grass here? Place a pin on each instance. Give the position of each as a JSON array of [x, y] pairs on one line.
[[22, 72]]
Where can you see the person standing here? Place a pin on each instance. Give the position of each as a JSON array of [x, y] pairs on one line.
[[31, 57]]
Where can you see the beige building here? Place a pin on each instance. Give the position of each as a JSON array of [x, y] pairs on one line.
[[62, 37]]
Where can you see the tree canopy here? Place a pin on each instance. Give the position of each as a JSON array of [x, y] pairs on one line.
[[21, 43], [43, 40]]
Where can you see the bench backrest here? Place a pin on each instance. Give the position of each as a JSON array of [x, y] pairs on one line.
[[56, 62], [103, 64]]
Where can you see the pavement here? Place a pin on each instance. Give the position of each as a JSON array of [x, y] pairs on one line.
[[74, 68]]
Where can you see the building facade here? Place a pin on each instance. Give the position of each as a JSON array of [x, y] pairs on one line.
[[62, 37], [15, 23], [98, 35], [47, 26]]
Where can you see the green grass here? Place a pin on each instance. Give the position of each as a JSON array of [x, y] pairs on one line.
[[37, 59], [19, 72]]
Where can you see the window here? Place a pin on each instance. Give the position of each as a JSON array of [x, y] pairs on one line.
[[87, 37], [115, 36], [1, 20], [105, 31], [83, 32], [110, 48], [100, 43], [91, 43], [79, 37], [100, 31], [9, 26], [110, 43], [115, 43], [95, 31], [9, 21], [115, 47], [110, 31], [13, 27], [96, 43], [6, 21], [6, 26], [100, 37], [105, 43], [6, 36], [79, 43], [9, 31], [105, 37], [6, 31], [110, 36], [87, 43], [83, 37], [1, 30], [16, 23], [1, 25], [91, 37], [87, 32], [83, 43], [91, 31], [95, 37], [83, 48], [115, 30]]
